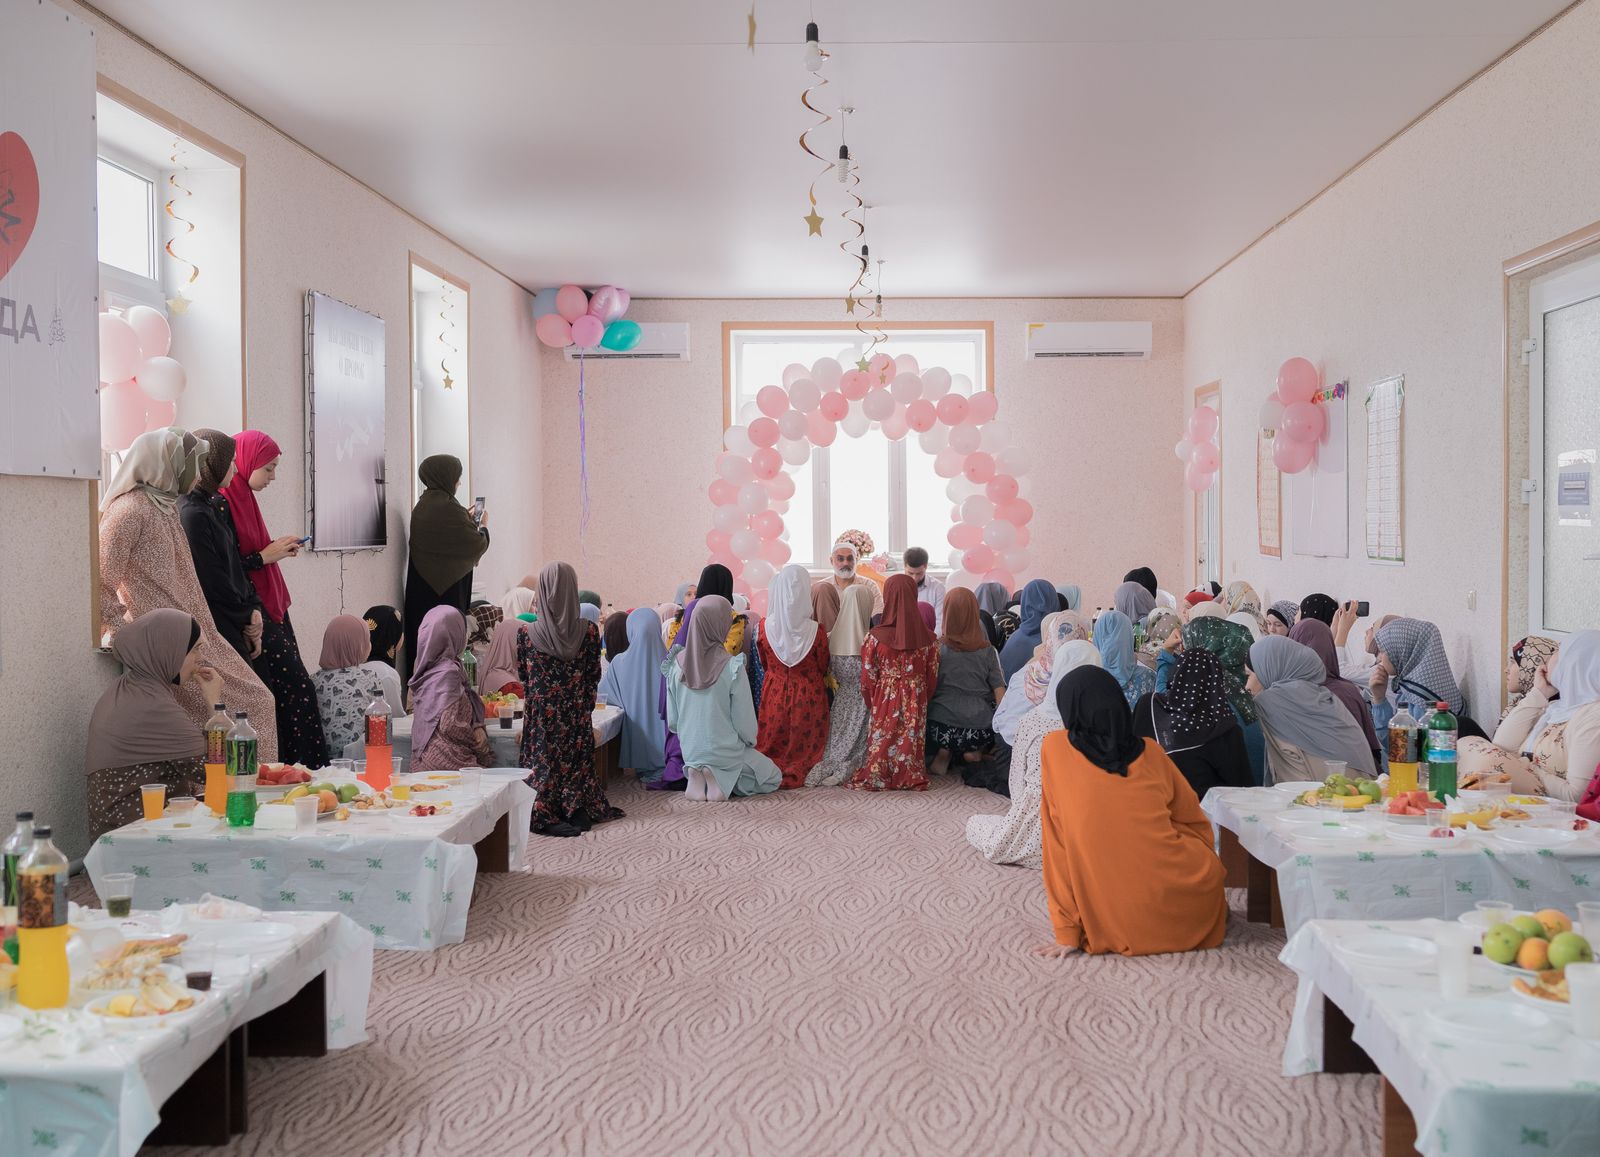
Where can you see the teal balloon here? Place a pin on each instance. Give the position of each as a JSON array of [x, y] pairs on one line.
[[622, 335], [544, 302]]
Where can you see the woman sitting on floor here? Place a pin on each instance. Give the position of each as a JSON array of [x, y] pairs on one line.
[[1026, 689], [633, 682], [1312, 633], [1128, 859], [1303, 722], [1195, 725], [447, 729], [1113, 634], [793, 727], [709, 709], [899, 668], [1039, 599], [1281, 616], [961, 713], [1230, 643], [346, 683], [1411, 657], [138, 733]]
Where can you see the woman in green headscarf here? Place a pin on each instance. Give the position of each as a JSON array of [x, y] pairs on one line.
[[446, 543], [1230, 643]]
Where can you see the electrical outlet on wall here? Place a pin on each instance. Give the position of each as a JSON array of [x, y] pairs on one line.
[[1472, 600]]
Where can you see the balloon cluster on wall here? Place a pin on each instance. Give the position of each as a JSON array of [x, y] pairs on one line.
[[139, 384], [569, 316], [1198, 450], [1292, 419], [970, 447]]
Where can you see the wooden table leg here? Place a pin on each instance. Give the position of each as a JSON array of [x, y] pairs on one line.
[[1275, 918], [238, 1091], [1340, 1053], [1235, 860], [199, 1112], [494, 850], [1399, 1126], [296, 1028], [613, 756], [1259, 883]]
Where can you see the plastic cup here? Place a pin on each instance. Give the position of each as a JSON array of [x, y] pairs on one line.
[[1494, 912], [1561, 813], [180, 805], [1438, 818], [1589, 919], [154, 798], [505, 712], [400, 788], [116, 894], [199, 961], [471, 777], [1456, 942], [1583, 985], [342, 767], [305, 814]]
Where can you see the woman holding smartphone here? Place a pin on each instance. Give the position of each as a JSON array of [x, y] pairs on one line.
[[447, 540]]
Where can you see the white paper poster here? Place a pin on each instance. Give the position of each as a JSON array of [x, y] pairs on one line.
[[1319, 496], [346, 489], [49, 272]]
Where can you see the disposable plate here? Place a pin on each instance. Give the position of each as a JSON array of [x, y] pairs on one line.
[[241, 934], [136, 1023], [1552, 1008], [1491, 1020], [1335, 834], [1535, 838], [1425, 836], [1389, 948]]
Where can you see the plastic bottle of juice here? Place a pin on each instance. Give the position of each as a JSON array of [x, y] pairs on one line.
[[217, 728], [470, 662], [43, 979], [1442, 752], [16, 846], [241, 805], [379, 743], [1404, 752]]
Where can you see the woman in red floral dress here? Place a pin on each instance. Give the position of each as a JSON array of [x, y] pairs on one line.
[[899, 668], [794, 699]]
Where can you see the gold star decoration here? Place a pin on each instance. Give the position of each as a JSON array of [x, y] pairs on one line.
[[178, 306], [752, 37], [863, 365], [449, 381], [849, 304], [814, 222]]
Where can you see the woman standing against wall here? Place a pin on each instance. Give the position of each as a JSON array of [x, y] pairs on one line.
[[446, 543]]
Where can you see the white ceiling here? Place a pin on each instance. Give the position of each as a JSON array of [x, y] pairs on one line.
[[1011, 147]]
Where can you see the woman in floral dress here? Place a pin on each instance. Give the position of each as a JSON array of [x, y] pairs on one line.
[[559, 661], [899, 667], [794, 653]]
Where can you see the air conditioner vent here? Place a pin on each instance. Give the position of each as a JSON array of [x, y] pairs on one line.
[[1089, 339], [659, 341]]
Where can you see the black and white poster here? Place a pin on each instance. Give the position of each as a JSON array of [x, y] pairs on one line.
[[345, 483]]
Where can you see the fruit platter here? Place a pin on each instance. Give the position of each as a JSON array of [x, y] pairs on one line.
[[281, 775], [1341, 791], [332, 799], [492, 703], [1537, 947]]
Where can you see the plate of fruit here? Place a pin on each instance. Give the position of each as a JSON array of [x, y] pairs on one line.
[[1545, 990], [1342, 791], [1410, 807], [1536, 943]]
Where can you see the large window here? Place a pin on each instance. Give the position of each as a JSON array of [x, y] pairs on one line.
[[885, 487]]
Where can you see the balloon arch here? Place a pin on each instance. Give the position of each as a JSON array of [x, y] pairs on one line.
[[750, 495]]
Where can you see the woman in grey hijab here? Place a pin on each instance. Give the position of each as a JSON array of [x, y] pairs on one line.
[[1296, 710], [1133, 600]]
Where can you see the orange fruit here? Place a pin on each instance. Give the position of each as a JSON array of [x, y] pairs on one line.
[[326, 801], [1534, 955]]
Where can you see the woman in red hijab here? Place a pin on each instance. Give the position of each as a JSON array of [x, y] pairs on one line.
[[899, 668]]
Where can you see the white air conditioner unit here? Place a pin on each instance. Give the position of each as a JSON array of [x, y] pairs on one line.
[[660, 341], [1089, 339]]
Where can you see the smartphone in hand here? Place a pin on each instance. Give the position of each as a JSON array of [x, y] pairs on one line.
[[477, 508], [1363, 609]]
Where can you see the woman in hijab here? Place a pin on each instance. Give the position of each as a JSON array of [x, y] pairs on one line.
[[235, 605], [709, 708], [139, 733], [1207, 609], [588, 598], [970, 687], [683, 594], [1072, 594], [1231, 644], [1550, 742], [1315, 635], [1522, 668], [994, 602], [482, 618], [899, 668], [1134, 601], [1145, 577], [1241, 599], [847, 717], [825, 604], [1411, 655], [614, 635], [347, 684], [559, 660], [146, 565], [633, 682], [1128, 860], [521, 603], [1249, 622], [1280, 616], [1014, 838], [715, 579], [497, 670], [1028, 687], [1038, 600], [1320, 607], [1195, 726], [447, 725], [793, 716], [1113, 635], [445, 545], [386, 629], [300, 737], [1304, 724], [1162, 640]]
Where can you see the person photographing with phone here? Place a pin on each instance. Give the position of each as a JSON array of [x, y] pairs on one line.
[[447, 540]]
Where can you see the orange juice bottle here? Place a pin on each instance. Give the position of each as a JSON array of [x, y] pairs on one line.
[[216, 794], [43, 978], [379, 743]]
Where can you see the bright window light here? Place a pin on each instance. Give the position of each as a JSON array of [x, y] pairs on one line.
[[127, 220]]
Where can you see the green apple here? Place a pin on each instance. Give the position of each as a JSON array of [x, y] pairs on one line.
[[1370, 788], [1528, 926], [1570, 948], [316, 787], [348, 792], [1500, 943]]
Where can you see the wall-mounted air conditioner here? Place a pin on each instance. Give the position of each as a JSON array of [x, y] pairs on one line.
[[660, 341], [1089, 339]]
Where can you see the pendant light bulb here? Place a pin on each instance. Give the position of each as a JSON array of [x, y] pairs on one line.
[[814, 55], [843, 167]]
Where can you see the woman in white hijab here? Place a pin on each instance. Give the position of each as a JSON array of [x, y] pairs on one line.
[[794, 664], [847, 718], [1017, 837]]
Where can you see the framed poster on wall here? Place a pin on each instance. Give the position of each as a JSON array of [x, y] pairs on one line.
[[346, 500]]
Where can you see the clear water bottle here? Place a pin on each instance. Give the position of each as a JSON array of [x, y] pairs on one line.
[[16, 846], [241, 808]]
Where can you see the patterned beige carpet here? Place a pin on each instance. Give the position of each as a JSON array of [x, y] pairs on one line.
[[816, 972]]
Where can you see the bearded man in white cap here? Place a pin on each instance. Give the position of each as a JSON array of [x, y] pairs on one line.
[[844, 561]]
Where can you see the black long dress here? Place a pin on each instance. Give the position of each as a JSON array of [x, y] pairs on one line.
[[300, 736], [1221, 761], [215, 547]]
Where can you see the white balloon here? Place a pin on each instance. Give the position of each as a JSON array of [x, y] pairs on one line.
[[894, 426], [781, 488], [735, 469], [1013, 460], [781, 505], [934, 440], [947, 463], [965, 439], [878, 405], [935, 383], [736, 440], [758, 573], [1271, 414], [906, 364], [804, 395], [977, 508], [955, 559], [155, 335], [1000, 534], [960, 384], [162, 379], [996, 436], [826, 372], [729, 518], [792, 425], [752, 498], [744, 544], [749, 412], [1015, 560], [906, 388], [792, 373], [855, 423], [962, 578], [1183, 449], [794, 453], [960, 489]]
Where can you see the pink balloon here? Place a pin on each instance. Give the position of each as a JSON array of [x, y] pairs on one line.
[[979, 467], [781, 488], [1302, 422], [767, 463], [740, 587], [1290, 456], [906, 364], [833, 406], [854, 386], [965, 535], [716, 541], [1002, 576], [119, 350], [906, 388], [734, 564], [772, 401], [921, 416], [775, 551], [982, 407], [607, 304], [1202, 424], [554, 330], [764, 432], [1024, 536], [1017, 512], [979, 558], [1206, 458], [965, 439], [947, 463], [1197, 479], [587, 332], [121, 415], [819, 429], [894, 426], [882, 369], [572, 303], [767, 524], [952, 408], [1298, 381], [159, 415], [722, 492], [1001, 488], [878, 405]]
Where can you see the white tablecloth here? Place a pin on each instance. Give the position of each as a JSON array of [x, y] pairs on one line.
[[106, 1100], [406, 880], [607, 723], [1468, 1099], [1383, 878]]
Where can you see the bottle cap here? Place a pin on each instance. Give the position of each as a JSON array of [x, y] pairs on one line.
[[241, 714], [24, 816], [41, 832], [216, 707], [1442, 705]]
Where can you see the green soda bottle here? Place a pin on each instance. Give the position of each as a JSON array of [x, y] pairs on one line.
[[1442, 752], [241, 773]]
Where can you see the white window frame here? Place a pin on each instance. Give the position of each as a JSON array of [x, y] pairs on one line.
[[119, 288], [1576, 283], [827, 342]]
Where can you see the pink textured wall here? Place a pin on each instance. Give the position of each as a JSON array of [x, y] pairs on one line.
[[1106, 488]]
